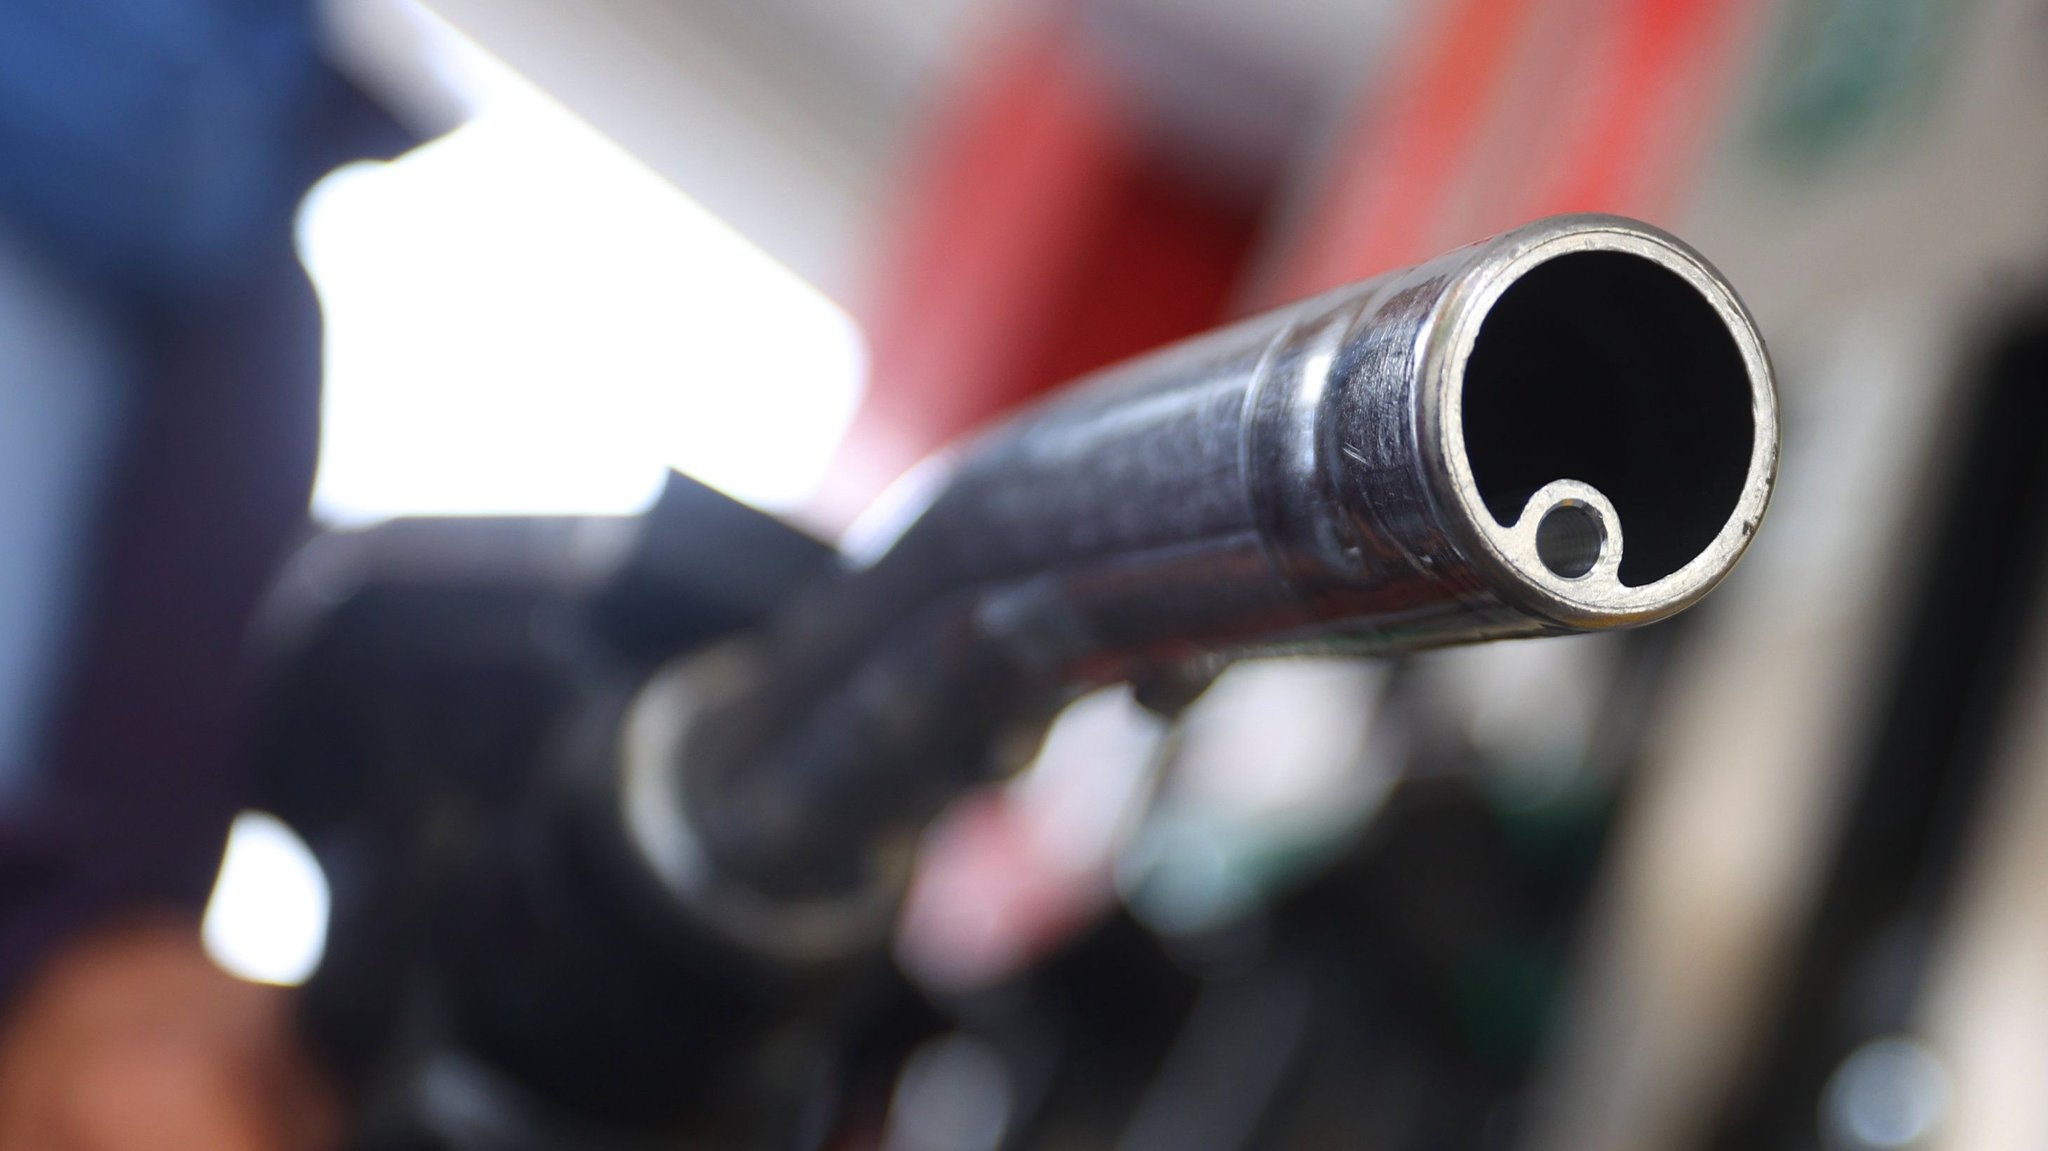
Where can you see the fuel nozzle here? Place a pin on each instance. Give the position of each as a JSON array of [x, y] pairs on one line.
[[1568, 427]]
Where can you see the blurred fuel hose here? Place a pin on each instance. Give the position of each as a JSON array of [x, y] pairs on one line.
[[1568, 427]]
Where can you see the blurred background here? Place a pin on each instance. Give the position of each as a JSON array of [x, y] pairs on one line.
[[277, 271]]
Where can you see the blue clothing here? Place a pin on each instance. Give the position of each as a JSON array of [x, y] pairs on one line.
[[155, 142], [152, 157]]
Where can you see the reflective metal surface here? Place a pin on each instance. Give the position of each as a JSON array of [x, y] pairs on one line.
[[1568, 427]]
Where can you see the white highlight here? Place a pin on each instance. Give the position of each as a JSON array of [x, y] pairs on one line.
[[523, 319], [954, 1094], [1888, 1095], [267, 919]]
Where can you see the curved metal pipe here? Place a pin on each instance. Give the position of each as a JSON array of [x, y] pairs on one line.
[[1567, 427]]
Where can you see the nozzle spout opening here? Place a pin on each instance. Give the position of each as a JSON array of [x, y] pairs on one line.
[[1610, 369]]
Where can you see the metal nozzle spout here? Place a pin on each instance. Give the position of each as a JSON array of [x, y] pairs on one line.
[[1567, 427]]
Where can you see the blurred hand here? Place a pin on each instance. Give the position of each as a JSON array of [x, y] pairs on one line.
[[130, 1039]]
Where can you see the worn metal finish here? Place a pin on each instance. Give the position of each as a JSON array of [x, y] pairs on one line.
[[1457, 452]]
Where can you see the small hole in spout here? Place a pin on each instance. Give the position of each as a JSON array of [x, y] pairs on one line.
[[1569, 539]]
